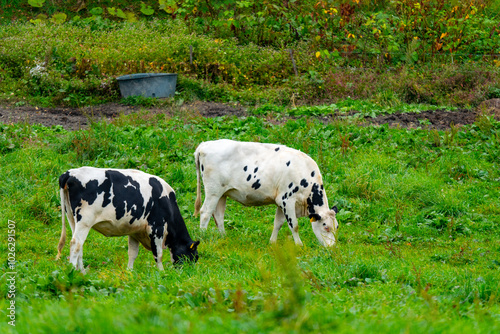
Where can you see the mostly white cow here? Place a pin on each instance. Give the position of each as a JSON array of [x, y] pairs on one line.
[[118, 202], [257, 174]]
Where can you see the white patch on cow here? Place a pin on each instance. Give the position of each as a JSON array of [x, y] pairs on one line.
[[129, 184]]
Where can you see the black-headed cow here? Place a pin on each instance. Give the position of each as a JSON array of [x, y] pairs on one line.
[[118, 202], [259, 174]]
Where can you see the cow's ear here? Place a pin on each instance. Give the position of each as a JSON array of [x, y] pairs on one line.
[[334, 208], [194, 245], [314, 217]]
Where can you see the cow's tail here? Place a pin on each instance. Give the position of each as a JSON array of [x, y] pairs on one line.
[[62, 241], [65, 208], [197, 204]]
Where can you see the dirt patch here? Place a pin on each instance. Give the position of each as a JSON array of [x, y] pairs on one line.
[[77, 118], [80, 118], [69, 118], [433, 119], [212, 109]]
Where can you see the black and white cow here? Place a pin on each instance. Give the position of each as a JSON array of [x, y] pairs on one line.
[[259, 174], [117, 202]]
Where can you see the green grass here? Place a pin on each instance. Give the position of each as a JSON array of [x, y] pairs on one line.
[[361, 107], [418, 251]]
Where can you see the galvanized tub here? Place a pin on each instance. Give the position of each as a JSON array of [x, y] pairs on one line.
[[148, 84]]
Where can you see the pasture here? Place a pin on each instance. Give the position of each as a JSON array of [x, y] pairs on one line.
[[418, 249], [419, 240]]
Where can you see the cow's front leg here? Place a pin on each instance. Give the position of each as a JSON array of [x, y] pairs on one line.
[[76, 245], [133, 251], [156, 247], [291, 220], [279, 219], [157, 241]]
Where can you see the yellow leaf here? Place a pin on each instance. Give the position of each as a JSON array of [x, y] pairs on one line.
[[318, 54], [443, 35]]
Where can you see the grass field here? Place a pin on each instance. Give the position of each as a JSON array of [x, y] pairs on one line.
[[418, 250], [419, 237]]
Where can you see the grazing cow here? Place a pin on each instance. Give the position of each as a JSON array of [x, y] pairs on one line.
[[117, 202], [259, 174]]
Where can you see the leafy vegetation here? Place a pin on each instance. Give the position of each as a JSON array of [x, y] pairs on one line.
[[433, 52], [418, 244]]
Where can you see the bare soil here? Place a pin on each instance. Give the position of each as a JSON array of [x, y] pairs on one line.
[[77, 118], [440, 119]]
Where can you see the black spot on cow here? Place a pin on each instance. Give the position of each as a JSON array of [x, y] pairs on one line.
[[310, 207], [127, 197], [249, 177], [290, 224], [295, 189], [256, 169], [314, 199], [245, 168], [202, 168], [316, 195], [322, 187], [277, 149], [288, 163], [156, 211], [290, 185], [284, 204], [304, 183], [313, 173], [256, 185], [290, 194]]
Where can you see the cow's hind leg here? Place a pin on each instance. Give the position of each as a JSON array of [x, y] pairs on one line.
[[208, 209], [279, 219], [76, 246], [219, 214], [133, 250]]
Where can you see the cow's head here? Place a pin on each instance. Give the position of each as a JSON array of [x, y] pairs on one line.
[[185, 253], [325, 226]]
